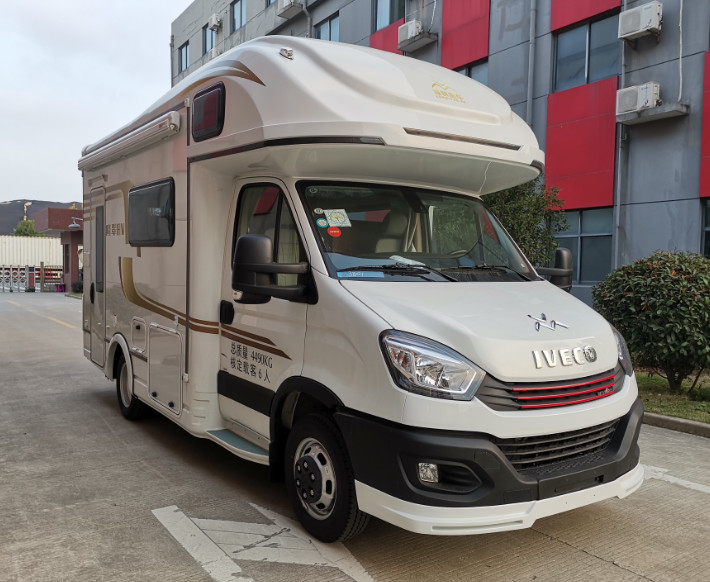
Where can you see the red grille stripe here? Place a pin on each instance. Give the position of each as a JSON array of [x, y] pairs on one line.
[[566, 403], [566, 394], [564, 386]]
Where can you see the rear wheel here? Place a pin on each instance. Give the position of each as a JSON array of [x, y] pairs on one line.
[[320, 481], [131, 407]]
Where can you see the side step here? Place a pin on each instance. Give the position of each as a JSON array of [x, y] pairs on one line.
[[239, 446]]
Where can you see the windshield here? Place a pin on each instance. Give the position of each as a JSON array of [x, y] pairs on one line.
[[401, 233]]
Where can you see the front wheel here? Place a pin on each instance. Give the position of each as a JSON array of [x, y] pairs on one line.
[[319, 480], [131, 407]]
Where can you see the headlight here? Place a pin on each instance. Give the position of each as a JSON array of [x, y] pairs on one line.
[[624, 356], [429, 368]]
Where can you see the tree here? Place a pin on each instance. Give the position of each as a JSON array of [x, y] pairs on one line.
[[26, 228], [533, 215], [661, 305]]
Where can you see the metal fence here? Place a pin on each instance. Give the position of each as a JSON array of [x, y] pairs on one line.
[[19, 279]]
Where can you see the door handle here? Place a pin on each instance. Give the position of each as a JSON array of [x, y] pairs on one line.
[[91, 293]]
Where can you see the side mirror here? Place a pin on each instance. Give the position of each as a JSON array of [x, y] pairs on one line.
[[253, 271], [561, 273]]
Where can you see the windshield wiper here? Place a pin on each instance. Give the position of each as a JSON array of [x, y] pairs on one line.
[[401, 268], [486, 267]]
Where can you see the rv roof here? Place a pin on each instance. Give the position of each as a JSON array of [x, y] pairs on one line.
[[287, 87]]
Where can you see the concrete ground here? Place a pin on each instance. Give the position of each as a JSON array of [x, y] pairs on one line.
[[88, 496]]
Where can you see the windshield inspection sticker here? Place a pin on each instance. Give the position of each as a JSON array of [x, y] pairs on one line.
[[322, 222], [361, 274], [334, 231], [337, 217]]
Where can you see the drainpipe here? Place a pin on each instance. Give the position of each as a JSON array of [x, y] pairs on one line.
[[308, 19], [622, 162], [172, 57], [531, 62]]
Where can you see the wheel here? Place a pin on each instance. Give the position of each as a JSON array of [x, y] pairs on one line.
[[319, 480], [131, 407]]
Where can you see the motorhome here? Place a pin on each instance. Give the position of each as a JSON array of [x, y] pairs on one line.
[[289, 254]]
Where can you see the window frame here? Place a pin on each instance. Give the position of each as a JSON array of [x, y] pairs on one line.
[[99, 247], [184, 57], [471, 68], [281, 202], [587, 25], [328, 21], [579, 236], [393, 7], [146, 190], [207, 33], [242, 14], [705, 238]]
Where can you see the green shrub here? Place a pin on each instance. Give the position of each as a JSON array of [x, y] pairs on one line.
[[661, 305], [532, 214]]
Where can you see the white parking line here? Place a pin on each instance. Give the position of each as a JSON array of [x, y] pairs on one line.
[[662, 475], [205, 552], [215, 544]]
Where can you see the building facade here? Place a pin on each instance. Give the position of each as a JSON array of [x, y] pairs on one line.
[[621, 120]]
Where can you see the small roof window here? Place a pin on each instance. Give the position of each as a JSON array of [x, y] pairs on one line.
[[208, 113]]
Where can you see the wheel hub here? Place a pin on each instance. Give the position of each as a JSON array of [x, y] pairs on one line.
[[314, 478], [309, 480]]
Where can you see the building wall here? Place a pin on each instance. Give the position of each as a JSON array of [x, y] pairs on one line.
[[659, 195], [654, 176]]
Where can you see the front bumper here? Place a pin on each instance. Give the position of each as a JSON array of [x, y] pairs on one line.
[[476, 477], [426, 519]]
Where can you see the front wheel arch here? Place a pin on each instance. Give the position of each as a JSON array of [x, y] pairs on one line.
[[295, 398]]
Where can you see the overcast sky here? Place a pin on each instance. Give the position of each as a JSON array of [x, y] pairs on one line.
[[72, 72]]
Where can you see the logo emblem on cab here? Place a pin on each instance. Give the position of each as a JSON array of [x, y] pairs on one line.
[[542, 322]]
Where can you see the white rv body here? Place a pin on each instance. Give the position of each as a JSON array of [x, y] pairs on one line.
[[281, 123]]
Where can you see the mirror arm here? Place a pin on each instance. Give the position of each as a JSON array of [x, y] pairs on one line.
[[275, 268], [280, 292], [554, 271]]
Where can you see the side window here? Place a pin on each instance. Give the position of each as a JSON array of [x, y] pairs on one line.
[[589, 237], [328, 29], [151, 214], [99, 249], [263, 210], [183, 57], [587, 53], [478, 71], [387, 12]]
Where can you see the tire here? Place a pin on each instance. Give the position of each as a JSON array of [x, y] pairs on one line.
[[130, 406], [319, 480]]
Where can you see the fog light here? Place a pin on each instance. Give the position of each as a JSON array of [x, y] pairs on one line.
[[428, 473]]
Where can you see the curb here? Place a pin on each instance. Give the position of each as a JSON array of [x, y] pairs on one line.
[[678, 424]]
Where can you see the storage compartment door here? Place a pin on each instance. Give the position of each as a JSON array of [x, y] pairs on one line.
[[165, 367]]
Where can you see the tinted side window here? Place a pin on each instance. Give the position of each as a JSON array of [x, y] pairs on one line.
[[151, 214], [263, 210]]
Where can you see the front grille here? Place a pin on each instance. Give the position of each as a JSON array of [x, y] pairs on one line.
[[574, 448], [535, 395]]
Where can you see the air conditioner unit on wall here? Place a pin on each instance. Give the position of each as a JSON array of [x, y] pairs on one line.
[[214, 22], [637, 98], [411, 36], [640, 21], [409, 30], [289, 8]]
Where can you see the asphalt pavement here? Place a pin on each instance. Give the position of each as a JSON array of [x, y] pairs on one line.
[[86, 495]]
